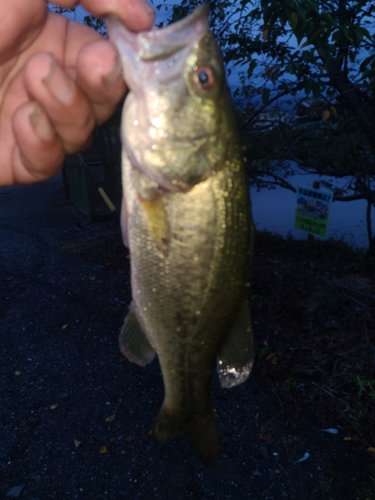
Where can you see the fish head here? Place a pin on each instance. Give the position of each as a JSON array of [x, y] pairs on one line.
[[177, 119]]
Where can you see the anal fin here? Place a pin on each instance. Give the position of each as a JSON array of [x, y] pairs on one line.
[[133, 341], [235, 358]]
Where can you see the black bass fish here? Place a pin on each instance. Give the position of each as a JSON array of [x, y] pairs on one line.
[[186, 219]]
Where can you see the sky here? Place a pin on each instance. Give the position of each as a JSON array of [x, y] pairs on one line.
[[80, 13]]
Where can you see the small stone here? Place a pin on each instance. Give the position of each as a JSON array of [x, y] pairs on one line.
[[263, 451], [16, 491]]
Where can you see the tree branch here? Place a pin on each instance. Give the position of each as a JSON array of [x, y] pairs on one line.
[[261, 109]]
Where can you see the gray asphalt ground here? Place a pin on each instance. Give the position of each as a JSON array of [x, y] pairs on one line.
[[75, 417]]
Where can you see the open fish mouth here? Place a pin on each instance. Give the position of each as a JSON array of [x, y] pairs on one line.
[[161, 43], [166, 47]]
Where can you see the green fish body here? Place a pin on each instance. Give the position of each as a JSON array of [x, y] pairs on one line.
[[186, 219]]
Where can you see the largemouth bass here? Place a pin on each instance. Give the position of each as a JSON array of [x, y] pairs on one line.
[[187, 222]]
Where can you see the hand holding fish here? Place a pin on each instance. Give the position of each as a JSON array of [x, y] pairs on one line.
[[58, 79]]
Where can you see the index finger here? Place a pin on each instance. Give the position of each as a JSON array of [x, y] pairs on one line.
[[137, 15]]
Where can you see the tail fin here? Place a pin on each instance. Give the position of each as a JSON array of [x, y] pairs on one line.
[[200, 429]]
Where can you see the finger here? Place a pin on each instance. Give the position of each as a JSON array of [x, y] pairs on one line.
[[94, 63], [20, 23], [137, 15], [38, 153], [97, 69], [66, 106], [100, 76]]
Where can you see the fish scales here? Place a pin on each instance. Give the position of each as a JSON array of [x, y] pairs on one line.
[[186, 219]]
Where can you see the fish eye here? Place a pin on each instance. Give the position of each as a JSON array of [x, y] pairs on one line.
[[204, 77]]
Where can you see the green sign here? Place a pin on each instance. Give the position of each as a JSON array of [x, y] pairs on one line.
[[312, 211]]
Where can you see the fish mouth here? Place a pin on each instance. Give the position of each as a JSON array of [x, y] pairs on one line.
[[161, 43], [160, 53]]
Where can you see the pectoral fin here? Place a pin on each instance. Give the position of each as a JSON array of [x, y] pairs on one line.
[[235, 358], [133, 341], [157, 222]]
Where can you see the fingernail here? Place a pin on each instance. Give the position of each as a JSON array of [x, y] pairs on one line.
[[40, 123], [113, 77], [149, 8], [59, 84]]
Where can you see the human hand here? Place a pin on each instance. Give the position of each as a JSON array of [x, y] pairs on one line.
[[58, 79]]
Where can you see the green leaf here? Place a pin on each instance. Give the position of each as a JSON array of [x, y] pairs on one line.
[[316, 89], [333, 111], [275, 75], [370, 74], [308, 55], [253, 64], [266, 96], [364, 32], [299, 32], [293, 20], [308, 87], [366, 62], [327, 18], [267, 12], [328, 63], [286, 87]]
